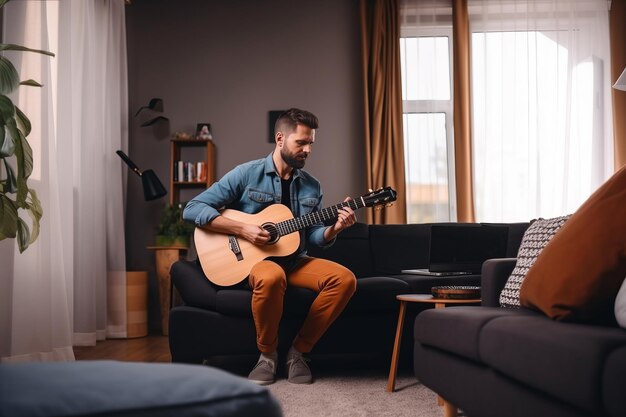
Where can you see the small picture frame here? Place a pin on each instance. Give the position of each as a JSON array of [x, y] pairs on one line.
[[203, 131]]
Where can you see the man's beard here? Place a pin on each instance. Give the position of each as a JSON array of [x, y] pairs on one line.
[[292, 160]]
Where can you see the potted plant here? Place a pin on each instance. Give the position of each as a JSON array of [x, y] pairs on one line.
[[16, 157], [173, 230]]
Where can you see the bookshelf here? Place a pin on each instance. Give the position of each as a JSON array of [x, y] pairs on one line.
[[186, 177]]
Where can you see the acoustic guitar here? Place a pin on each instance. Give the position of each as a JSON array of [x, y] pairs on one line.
[[227, 260]]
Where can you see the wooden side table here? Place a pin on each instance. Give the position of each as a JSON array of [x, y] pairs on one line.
[[414, 298], [165, 256]]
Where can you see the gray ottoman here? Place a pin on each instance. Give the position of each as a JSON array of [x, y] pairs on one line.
[[111, 388]]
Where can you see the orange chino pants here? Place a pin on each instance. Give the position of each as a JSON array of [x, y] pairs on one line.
[[333, 283]]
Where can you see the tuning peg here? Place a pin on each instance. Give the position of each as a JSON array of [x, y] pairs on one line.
[[370, 190]]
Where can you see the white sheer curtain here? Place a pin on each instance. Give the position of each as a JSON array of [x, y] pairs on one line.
[[542, 131], [68, 288]]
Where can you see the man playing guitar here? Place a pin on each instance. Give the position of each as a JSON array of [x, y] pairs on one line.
[[252, 187]]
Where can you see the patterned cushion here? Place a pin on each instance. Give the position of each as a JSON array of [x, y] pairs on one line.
[[535, 239]]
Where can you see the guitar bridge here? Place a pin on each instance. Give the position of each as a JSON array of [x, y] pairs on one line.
[[233, 244]]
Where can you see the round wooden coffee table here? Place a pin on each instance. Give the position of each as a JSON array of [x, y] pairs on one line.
[[415, 298]]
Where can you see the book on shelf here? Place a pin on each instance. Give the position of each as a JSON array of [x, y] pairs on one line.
[[201, 171], [185, 171], [181, 171]]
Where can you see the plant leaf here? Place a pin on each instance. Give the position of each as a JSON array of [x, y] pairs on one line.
[[23, 235], [9, 78], [24, 155], [5, 141], [35, 211], [10, 184], [23, 122], [31, 83], [7, 108], [13, 47], [8, 218]]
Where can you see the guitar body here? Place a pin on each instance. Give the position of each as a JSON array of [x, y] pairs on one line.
[[222, 266], [227, 260]]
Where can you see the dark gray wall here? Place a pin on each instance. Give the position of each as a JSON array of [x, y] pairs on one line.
[[228, 63]]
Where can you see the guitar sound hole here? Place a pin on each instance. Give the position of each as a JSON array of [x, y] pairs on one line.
[[271, 227]]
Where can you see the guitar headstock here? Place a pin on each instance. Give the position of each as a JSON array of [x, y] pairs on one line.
[[379, 197]]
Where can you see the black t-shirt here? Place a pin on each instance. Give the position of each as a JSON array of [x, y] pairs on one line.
[[286, 196]]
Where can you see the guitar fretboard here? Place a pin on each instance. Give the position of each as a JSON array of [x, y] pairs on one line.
[[293, 225]]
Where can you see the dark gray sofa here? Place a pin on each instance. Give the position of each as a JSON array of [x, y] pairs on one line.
[[217, 321], [492, 361]]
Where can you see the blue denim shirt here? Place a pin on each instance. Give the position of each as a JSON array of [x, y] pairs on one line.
[[253, 186]]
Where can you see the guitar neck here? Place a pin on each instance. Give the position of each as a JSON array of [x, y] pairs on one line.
[[329, 213]]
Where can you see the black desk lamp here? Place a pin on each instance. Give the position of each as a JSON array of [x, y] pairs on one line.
[[152, 187]]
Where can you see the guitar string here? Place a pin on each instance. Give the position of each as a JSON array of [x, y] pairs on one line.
[[291, 225]]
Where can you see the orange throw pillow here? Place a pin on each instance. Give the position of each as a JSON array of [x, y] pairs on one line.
[[578, 274]]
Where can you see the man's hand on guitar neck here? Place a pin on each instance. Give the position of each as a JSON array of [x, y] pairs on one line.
[[251, 232], [345, 219]]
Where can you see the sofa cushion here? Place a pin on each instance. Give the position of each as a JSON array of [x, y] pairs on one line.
[[458, 329], [90, 388], [515, 236], [614, 381], [351, 249], [564, 360], [578, 274], [536, 237], [376, 294], [399, 246], [234, 302]]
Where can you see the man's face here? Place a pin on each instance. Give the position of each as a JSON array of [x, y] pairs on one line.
[[297, 146]]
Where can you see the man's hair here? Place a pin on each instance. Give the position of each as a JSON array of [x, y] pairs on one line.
[[289, 120]]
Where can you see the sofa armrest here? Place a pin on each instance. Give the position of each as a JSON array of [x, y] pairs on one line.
[[192, 285], [495, 273]]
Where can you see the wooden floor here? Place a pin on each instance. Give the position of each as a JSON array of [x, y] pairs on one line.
[[151, 348]]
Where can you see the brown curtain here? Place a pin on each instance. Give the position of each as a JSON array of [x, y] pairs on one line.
[[617, 26], [462, 112], [384, 148]]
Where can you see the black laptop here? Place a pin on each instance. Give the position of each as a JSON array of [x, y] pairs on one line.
[[461, 249]]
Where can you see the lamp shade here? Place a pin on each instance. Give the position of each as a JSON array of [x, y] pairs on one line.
[[620, 84], [152, 186]]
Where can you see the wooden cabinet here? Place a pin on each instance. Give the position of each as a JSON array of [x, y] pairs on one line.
[[190, 150]]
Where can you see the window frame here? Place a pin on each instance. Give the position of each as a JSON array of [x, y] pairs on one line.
[[437, 106]]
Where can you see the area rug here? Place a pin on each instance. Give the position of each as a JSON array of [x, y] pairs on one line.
[[356, 393]]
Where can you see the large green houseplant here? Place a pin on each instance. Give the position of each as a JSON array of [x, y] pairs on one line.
[[16, 157]]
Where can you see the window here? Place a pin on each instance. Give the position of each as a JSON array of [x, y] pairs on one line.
[[541, 111], [541, 142], [427, 122]]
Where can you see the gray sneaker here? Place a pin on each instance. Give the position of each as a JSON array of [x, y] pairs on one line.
[[264, 372], [298, 371]]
